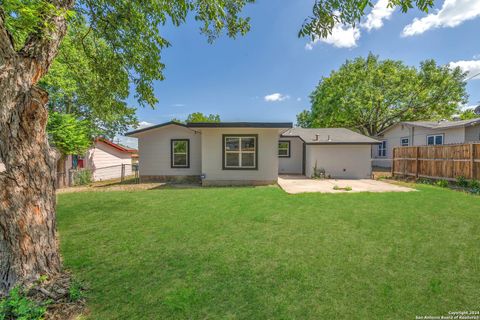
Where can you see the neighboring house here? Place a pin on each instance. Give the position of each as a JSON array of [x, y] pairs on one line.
[[246, 153], [422, 133], [105, 159]]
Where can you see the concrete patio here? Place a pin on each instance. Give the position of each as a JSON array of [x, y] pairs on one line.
[[300, 184]]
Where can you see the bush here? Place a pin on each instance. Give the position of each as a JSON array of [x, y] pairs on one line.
[[81, 178], [318, 173], [462, 182], [347, 188], [18, 306], [441, 183], [474, 184]]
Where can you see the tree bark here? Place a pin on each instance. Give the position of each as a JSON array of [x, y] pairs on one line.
[[28, 240]]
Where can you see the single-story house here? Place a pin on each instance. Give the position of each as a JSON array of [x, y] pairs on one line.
[[104, 159], [248, 153], [423, 133]]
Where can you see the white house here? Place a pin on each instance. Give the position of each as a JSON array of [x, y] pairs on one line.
[[421, 133], [249, 153]]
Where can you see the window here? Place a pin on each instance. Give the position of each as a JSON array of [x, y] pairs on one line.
[[240, 152], [435, 139], [180, 153], [284, 149], [405, 142], [382, 149]]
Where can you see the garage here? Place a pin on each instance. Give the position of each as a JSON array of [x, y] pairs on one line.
[[337, 152]]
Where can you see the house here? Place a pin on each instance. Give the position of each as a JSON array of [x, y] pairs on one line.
[[422, 133], [248, 153], [104, 159]]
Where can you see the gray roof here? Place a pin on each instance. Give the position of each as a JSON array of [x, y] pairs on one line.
[[280, 125], [274, 125], [442, 124], [329, 136]]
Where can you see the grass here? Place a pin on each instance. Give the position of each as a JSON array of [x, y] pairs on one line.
[[258, 253]]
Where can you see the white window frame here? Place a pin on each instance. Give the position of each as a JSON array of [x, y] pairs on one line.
[[240, 152], [382, 147], [435, 139], [404, 138]]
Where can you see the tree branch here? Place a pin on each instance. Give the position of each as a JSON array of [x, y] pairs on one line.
[[42, 46]]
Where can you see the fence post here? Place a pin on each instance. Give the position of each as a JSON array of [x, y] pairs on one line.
[[417, 162], [122, 177], [472, 161], [393, 162]]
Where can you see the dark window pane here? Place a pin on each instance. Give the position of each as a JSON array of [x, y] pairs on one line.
[[232, 160], [430, 140], [180, 146], [283, 152], [180, 160], [439, 140], [283, 145], [232, 144], [248, 144], [248, 159]]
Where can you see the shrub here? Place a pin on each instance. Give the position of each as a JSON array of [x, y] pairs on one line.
[[318, 173], [18, 306], [462, 182], [81, 178], [441, 183], [474, 184]]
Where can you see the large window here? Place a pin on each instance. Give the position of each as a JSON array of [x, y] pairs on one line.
[[240, 152], [382, 149], [180, 153], [405, 142], [284, 149], [435, 139]]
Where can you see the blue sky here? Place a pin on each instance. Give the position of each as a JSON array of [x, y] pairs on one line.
[[268, 74]]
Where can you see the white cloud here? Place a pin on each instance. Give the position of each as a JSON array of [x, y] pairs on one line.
[[470, 66], [144, 124], [452, 14], [299, 99], [341, 37], [375, 18], [276, 97]]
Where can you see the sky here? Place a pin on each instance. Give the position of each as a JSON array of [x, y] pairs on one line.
[[268, 74]]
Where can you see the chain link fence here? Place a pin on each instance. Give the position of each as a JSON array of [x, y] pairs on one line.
[[123, 173]]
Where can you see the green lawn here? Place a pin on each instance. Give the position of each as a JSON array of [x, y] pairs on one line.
[[259, 253]]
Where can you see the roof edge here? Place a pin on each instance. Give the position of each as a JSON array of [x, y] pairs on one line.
[[274, 125], [155, 127]]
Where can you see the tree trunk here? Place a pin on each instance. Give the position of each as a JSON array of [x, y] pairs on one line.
[[61, 172], [28, 242]]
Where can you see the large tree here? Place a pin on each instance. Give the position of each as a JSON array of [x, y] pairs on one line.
[[124, 35], [369, 95]]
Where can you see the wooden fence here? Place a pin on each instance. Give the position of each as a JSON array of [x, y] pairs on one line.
[[438, 162]]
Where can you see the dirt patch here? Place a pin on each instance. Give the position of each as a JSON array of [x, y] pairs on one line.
[[126, 187]]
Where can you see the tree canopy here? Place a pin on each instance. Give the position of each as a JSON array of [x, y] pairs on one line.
[[328, 13], [369, 95], [67, 134]]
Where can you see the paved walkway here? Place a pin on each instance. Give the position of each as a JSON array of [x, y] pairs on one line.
[[301, 184]]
